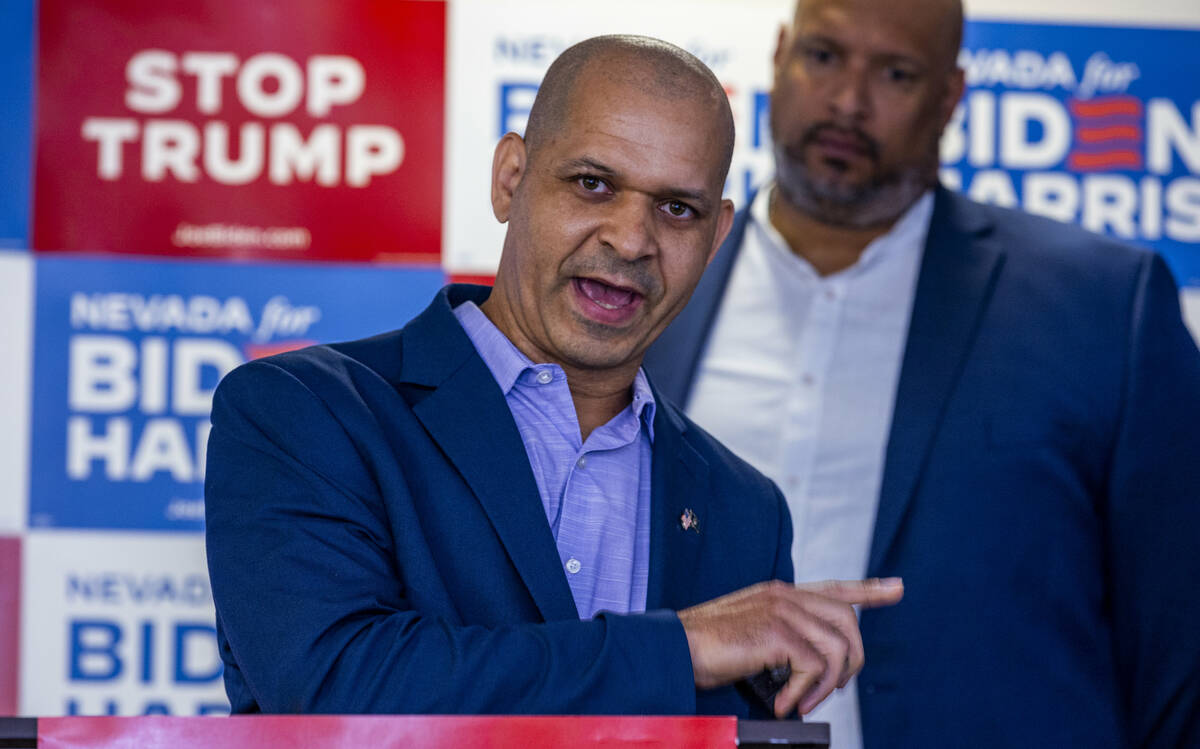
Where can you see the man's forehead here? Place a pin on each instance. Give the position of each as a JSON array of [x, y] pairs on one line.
[[621, 120], [912, 28], [618, 77]]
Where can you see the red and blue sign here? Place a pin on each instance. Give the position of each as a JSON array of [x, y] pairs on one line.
[[278, 129], [127, 355], [1089, 125]]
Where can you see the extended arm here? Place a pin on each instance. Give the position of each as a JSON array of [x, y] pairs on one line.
[[319, 615]]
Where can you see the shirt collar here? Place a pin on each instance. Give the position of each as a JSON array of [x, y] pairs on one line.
[[505, 360], [507, 363], [643, 402]]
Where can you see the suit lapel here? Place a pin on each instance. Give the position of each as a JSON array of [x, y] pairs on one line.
[[678, 483], [467, 416], [674, 358], [958, 273]]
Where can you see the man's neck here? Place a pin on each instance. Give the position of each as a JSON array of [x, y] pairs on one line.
[[827, 247], [598, 395]]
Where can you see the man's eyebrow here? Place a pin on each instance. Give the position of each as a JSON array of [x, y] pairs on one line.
[[816, 37], [587, 165], [892, 58]]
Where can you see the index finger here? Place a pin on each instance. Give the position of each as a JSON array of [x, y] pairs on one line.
[[866, 593]]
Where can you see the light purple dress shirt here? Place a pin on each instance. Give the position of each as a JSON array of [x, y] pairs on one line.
[[596, 494]]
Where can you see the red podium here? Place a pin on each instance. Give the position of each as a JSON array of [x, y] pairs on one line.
[[422, 731]]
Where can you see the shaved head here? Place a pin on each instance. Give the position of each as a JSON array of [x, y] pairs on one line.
[[655, 66]]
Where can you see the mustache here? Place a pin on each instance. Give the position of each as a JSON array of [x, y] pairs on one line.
[[634, 274], [816, 131]]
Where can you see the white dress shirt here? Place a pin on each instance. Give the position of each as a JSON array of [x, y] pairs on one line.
[[799, 379]]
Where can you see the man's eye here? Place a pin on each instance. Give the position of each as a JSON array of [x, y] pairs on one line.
[[678, 209], [900, 75], [591, 184], [818, 55]]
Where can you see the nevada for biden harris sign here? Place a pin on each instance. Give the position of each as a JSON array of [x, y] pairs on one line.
[[127, 355], [202, 129], [1087, 125]]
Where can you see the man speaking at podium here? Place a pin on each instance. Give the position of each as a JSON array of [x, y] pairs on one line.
[[492, 510]]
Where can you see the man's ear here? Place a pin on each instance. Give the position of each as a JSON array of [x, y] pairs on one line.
[[724, 224], [955, 85], [508, 167], [780, 43]]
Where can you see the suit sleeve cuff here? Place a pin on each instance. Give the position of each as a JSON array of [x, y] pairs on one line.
[[659, 659]]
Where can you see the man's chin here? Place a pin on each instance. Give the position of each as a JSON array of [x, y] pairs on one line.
[[596, 346], [839, 201]]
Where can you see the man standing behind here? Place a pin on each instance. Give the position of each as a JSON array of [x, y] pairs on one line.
[[1001, 409], [490, 510]]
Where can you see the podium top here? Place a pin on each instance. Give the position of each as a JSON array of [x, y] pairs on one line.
[[434, 732]]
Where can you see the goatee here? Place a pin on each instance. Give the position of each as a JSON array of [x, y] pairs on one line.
[[879, 201]]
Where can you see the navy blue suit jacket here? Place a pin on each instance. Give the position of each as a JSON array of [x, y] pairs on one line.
[[377, 543], [1040, 497]]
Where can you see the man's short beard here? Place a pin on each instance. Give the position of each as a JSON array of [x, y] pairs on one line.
[[880, 201]]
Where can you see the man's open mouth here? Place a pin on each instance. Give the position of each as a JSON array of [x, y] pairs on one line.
[[606, 295], [608, 302]]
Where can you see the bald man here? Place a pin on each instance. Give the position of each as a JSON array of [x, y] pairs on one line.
[[491, 510], [1000, 409]]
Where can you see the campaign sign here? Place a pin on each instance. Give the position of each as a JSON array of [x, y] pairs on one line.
[[118, 624], [298, 129], [16, 314], [10, 620], [16, 60], [1090, 125], [127, 355], [497, 60]]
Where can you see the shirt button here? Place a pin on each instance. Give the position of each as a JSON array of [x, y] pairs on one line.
[[544, 376], [808, 379], [830, 294], [573, 565], [582, 462]]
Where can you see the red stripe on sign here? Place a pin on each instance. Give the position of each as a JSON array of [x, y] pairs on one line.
[[432, 732], [1107, 106], [1104, 134], [10, 622], [481, 279], [1104, 160]]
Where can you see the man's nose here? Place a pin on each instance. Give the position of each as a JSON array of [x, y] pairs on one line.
[[850, 97], [628, 226]]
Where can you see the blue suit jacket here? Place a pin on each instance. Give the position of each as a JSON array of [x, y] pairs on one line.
[[1040, 497], [377, 543]]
